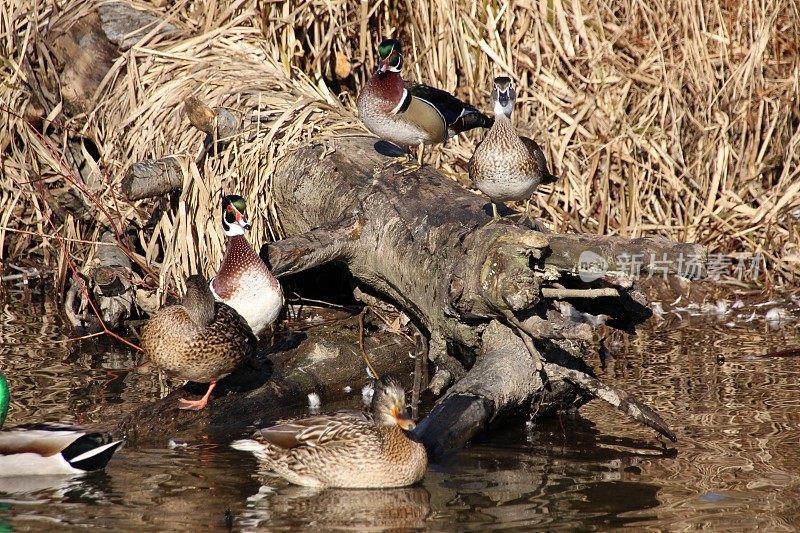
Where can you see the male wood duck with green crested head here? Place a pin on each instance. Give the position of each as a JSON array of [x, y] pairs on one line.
[[506, 166], [48, 448], [198, 340], [409, 114], [346, 449], [243, 281]]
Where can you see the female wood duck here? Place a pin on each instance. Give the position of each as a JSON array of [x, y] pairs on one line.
[[408, 114], [50, 449], [347, 449], [198, 340], [506, 166], [243, 281]]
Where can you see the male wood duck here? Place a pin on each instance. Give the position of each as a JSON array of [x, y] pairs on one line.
[[506, 166], [198, 340], [50, 449], [243, 281], [408, 114], [347, 449]]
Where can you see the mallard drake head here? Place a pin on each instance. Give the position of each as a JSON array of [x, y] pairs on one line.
[[5, 398], [503, 96], [389, 403], [234, 218], [390, 58]]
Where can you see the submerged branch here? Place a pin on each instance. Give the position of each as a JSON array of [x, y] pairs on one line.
[[619, 399]]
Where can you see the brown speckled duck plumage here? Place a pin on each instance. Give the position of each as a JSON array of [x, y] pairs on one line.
[[347, 449], [199, 339], [507, 166]]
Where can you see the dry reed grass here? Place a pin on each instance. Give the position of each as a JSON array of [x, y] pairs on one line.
[[677, 118]]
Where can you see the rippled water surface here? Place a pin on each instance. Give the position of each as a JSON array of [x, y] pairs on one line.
[[735, 466]]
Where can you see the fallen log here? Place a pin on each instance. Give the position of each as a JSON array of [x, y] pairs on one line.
[[388, 225]]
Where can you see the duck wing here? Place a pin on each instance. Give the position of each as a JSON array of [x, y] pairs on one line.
[[53, 449], [316, 430], [541, 161], [458, 115], [42, 439]]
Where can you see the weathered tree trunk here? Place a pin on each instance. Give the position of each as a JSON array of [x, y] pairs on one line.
[[430, 247]]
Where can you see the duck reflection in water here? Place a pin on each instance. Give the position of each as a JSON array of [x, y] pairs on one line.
[[339, 508]]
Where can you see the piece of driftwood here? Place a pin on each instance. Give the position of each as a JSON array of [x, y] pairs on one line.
[[109, 284], [392, 226], [113, 282], [146, 179]]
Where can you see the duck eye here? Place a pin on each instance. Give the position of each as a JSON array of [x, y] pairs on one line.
[[230, 208]]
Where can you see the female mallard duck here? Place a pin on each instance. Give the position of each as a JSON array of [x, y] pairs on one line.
[[347, 450], [198, 340], [50, 449], [243, 281], [408, 114], [506, 166]]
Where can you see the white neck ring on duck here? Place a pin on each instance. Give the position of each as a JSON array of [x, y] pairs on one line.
[[233, 230]]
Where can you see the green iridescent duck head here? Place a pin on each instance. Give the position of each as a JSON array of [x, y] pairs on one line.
[[5, 398], [234, 216], [390, 58]]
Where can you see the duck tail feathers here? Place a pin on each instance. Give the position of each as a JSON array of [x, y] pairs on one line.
[[475, 119], [90, 452]]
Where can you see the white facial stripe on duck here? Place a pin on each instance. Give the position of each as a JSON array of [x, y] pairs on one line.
[[390, 56], [234, 219]]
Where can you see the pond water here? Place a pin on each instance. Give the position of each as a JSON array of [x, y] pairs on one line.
[[736, 465]]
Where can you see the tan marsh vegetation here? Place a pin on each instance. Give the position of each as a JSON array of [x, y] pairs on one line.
[[676, 118]]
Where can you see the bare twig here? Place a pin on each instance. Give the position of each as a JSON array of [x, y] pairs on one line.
[[561, 294], [619, 399], [375, 373]]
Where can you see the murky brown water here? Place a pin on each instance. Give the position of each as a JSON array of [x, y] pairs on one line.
[[735, 467]]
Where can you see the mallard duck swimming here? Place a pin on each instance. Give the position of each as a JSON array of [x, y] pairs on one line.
[[243, 280], [198, 339], [50, 449], [348, 449]]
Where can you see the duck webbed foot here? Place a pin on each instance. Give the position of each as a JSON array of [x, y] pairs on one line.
[[197, 405]]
